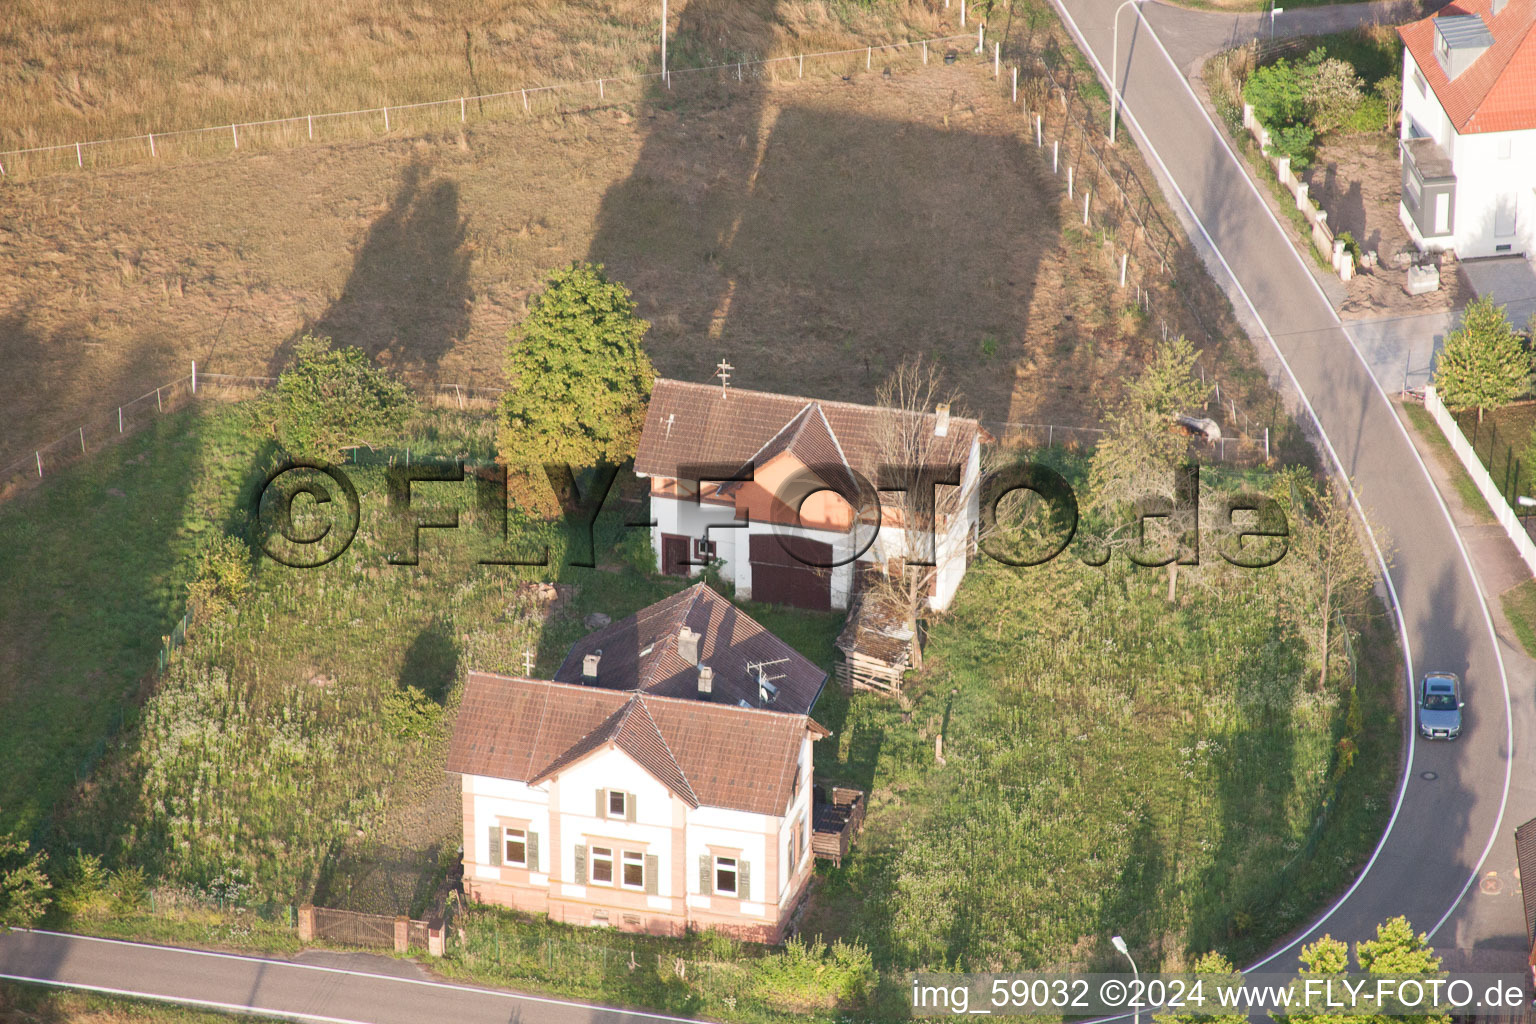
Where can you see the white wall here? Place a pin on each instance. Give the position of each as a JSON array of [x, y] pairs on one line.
[[1485, 176], [490, 798], [652, 827], [1483, 173]]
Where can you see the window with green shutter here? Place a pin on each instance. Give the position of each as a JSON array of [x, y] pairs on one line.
[[744, 880], [629, 807], [581, 863], [706, 879], [602, 803], [533, 851], [652, 874], [495, 837]]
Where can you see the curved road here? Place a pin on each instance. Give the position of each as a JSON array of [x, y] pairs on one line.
[[1458, 801]]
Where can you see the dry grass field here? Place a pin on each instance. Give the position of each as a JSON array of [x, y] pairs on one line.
[[814, 233], [93, 69]]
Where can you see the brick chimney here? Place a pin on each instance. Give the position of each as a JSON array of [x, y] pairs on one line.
[[706, 681], [589, 666], [941, 420]]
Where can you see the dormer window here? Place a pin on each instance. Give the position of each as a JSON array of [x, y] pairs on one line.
[[1459, 40]]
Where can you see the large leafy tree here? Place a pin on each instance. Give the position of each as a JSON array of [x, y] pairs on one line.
[[330, 399], [1483, 364], [577, 383]]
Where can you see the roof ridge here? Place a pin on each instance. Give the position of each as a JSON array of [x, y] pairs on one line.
[[836, 402], [640, 699], [646, 676]]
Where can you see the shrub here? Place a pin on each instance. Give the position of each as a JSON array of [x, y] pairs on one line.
[[222, 577], [330, 399], [1371, 116], [410, 713], [25, 891], [1333, 92], [811, 974], [1277, 93], [127, 889], [83, 889]]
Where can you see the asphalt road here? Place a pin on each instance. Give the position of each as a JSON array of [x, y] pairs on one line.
[[1452, 823], [376, 990]]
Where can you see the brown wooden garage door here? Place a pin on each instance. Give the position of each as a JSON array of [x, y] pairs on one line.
[[779, 577]]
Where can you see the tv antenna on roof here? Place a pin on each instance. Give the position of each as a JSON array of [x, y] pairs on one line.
[[527, 663], [723, 371]]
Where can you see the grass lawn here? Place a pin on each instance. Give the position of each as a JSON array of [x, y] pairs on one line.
[[1519, 604], [1112, 765], [31, 1004], [1500, 441], [1466, 490]]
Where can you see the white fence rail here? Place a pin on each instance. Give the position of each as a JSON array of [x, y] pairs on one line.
[[1480, 476], [529, 100]]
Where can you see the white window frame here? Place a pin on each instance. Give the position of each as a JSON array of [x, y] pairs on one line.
[[509, 836], [735, 871], [623, 799], [596, 855], [1420, 81], [635, 859], [1506, 148]]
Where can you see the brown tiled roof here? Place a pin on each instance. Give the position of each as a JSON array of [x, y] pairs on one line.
[[712, 755], [640, 653], [808, 437], [1498, 92], [696, 424]]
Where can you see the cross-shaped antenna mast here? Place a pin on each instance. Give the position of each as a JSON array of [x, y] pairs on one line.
[[723, 371], [670, 417], [527, 663]]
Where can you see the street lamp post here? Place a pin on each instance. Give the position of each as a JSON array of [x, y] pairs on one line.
[[1119, 944], [663, 41], [1114, 72]]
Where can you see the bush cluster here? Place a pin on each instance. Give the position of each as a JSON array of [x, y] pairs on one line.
[[1298, 101]]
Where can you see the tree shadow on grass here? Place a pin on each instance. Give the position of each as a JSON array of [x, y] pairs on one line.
[[407, 300], [431, 662]]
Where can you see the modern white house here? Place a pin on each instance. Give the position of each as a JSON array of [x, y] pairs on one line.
[[779, 492], [660, 782], [1468, 137]]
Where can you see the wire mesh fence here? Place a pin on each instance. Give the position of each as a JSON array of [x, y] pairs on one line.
[[407, 119]]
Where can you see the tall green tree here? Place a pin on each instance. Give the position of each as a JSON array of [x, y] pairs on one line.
[[577, 383], [1138, 453], [330, 399], [1483, 364]]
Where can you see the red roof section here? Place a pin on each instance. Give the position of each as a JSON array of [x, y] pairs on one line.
[[1498, 92]]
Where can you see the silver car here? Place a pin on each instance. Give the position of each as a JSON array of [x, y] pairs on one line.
[[1440, 706]]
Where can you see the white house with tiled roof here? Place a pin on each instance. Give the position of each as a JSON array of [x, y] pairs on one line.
[[1469, 128], [662, 781], [780, 492]]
